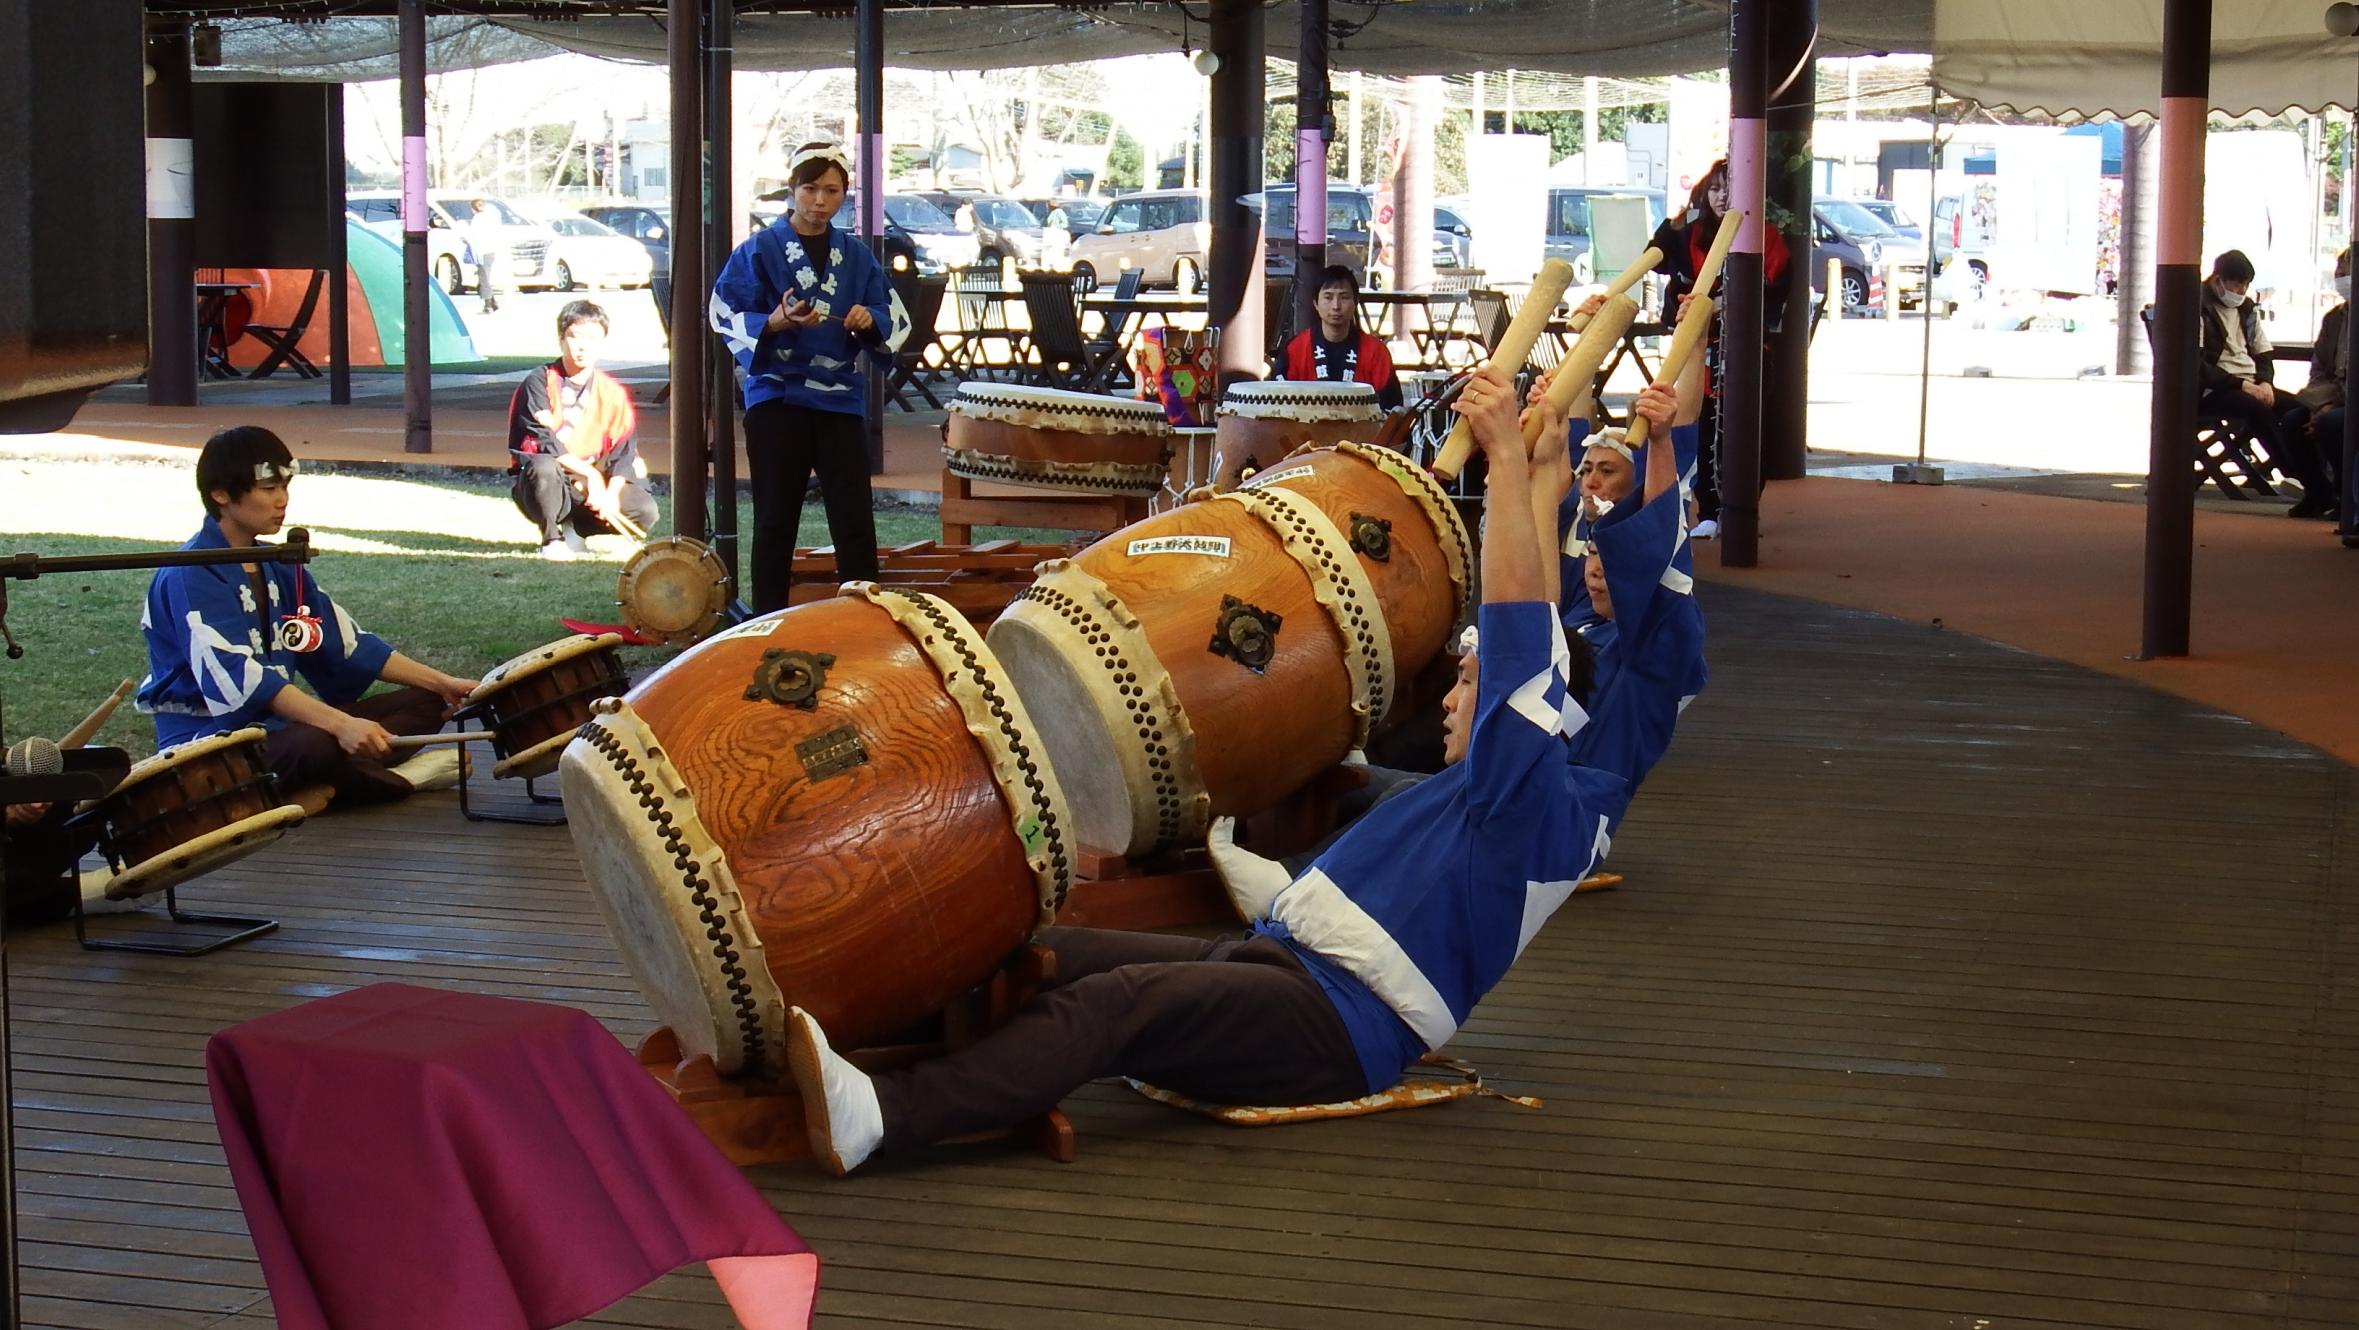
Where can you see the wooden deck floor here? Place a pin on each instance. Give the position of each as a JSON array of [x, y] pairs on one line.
[[1951, 987]]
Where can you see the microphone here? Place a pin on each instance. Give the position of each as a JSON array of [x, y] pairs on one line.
[[36, 757]]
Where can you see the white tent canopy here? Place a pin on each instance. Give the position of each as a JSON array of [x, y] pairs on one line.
[[2087, 59]]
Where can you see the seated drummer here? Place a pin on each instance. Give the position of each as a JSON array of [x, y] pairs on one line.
[[1337, 351], [1353, 970], [225, 643], [574, 440]]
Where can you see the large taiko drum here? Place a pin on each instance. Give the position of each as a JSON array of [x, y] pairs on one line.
[[843, 806], [1213, 659], [189, 810], [1047, 437], [1258, 423]]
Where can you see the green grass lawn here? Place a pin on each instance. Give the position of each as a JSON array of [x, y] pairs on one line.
[[461, 602]]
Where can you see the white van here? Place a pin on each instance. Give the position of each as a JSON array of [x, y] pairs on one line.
[[448, 218], [1160, 232]]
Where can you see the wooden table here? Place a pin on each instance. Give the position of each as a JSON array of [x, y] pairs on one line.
[[1441, 317], [213, 327]]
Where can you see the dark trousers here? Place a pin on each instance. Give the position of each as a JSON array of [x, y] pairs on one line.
[[544, 492], [302, 755], [1235, 1020], [783, 444], [40, 857], [2282, 429]]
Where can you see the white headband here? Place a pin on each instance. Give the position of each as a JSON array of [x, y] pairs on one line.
[[1468, 640], [823, 152], [266, 472], [1612, 438]]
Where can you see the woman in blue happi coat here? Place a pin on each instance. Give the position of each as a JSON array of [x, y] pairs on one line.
[[797, 303]]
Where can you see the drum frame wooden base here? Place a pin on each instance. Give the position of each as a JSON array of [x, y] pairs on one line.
[[241, 926], [963, 510], [761, 1122]]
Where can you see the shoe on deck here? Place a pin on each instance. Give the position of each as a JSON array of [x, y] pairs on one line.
[[840, 1111], [1704, 530]]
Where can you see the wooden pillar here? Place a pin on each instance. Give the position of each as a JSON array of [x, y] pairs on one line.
[[1310, 160], [1235, 170], [691, 282], [1792, 103], [417, 311], [171, 221], [2178, 295], [1740, 323], [722, 228], [868, 58], [339, 259]]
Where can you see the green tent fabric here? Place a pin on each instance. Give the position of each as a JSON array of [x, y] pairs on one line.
[[377, 262]]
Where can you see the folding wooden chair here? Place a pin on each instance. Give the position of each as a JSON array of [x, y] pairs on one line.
[[921, 299], [1065, 358], [281, 338]]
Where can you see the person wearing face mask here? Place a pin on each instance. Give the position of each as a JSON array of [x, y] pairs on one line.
[[2324, 393], [2236, 365], [1684, 241]]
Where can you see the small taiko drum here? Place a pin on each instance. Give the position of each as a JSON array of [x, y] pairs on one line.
[[1258, 423], [1215, 658], [188, 810], [1077, 442], [842, 806], [673, 590], [533, 704]]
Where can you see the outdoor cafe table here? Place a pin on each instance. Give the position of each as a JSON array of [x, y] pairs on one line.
[[1124, 316]]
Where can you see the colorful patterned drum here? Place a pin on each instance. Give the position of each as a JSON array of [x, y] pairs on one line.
[[843, 806], [1215, 658], [1076, 442], [1262, 422]]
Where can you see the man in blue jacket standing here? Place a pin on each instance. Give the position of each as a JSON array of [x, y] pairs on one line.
[[1374, 955]]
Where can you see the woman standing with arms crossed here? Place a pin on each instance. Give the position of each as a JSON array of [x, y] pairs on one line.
[[797, 303]]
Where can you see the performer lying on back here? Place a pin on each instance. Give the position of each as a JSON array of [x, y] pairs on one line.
[[1353, 970], [224, 644]]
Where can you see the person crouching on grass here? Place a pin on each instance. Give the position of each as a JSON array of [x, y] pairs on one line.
[[573, 441], [226, 642]]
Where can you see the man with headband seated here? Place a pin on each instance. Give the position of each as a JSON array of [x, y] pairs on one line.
[[1353, 970], [226, 642]]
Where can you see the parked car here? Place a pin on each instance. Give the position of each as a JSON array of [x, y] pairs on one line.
[[1350, 213], [524, 242], [1569, 222], [1004, 227], [930, 239], [901, 249], [1909, 251], [1451, 232], [591, 253], [651, 227], [1844, 231], [1160, 232]]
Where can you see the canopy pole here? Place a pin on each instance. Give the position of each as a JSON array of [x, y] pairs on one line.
[[1790, 107], [691, 285], [417, 309], [1740, 324], [1234, 171], [868, 60], [721, 238], [2347, 526], [2178, 278], [171, 220], [1310, 160]]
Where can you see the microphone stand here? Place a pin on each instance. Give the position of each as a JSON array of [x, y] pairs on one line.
[[74, 785]]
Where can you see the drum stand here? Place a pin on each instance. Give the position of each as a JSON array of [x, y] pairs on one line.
[[761, 1122], [245, 928], [534, 798]]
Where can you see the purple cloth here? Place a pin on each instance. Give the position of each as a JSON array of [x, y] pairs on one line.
[[409, 1157]]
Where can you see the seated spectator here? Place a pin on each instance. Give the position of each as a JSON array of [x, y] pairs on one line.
[[2329, 367], [1337, 351], [2237, 367], [573, 441]]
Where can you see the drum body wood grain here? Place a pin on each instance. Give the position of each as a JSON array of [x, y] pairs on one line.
[[839, 806], [533, 704], [189, 810], [1259, 423], [1055, 439]]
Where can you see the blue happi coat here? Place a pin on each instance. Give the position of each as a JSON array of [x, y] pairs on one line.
[[214, 660], [1650, 655], [816, 367], [1419, 909]]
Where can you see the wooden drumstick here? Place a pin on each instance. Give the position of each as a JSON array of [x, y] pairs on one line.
[[1579, 370], [621, 521], [80, 734], [1639, 267], [1709, 272], [1515, 347], [1693, 325], [403, 742]]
